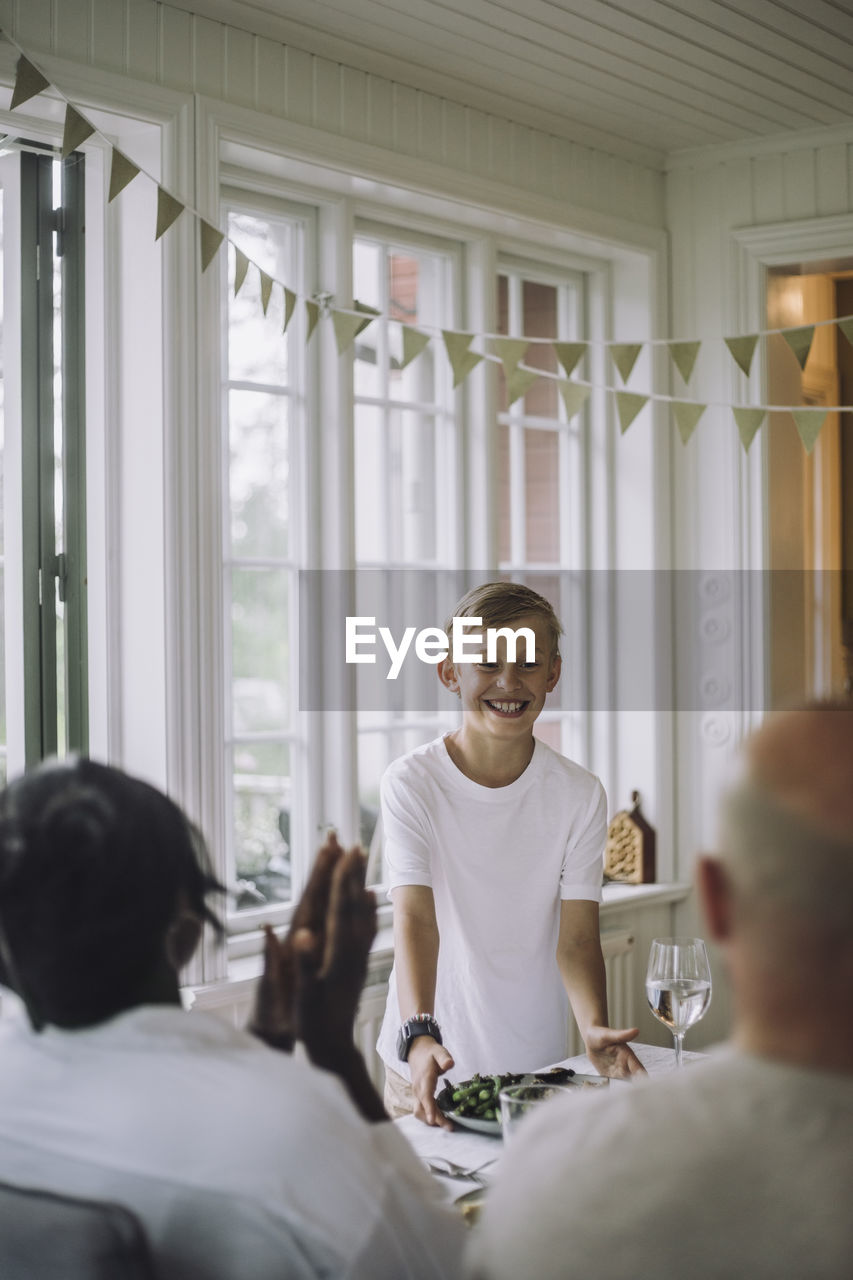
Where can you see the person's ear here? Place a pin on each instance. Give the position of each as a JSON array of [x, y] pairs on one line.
[[715, 896], [554, 673], [447, 675], [182, 938]]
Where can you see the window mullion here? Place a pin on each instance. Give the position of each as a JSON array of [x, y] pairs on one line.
[[74, 453]]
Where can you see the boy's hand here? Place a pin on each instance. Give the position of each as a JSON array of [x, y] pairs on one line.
[[427, 1061], [610, 1054]]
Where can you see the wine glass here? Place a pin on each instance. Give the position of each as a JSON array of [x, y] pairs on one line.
[[678, 985]]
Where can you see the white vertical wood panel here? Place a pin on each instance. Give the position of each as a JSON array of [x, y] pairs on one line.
[[736, 179], [831, 179], [299, 86], [239, 64], [798, 178], [563, 169], [540, 161], [380, 109], [270, 90], [176, 48], [33, 26], [109, 27], [328, 100], [430, 130], [850, 176], [499, 145], [209, 69], [768, 188], [71, 31], [405, 119], [684, 322], [455, 135], [479, 144], [142, 37], [354, 102]]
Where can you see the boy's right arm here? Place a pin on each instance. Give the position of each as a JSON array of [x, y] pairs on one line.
[[416, 942]]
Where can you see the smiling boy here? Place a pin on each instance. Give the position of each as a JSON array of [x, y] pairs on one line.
[[494, 846]]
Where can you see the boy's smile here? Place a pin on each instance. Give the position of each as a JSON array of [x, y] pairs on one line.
[[502, 696]]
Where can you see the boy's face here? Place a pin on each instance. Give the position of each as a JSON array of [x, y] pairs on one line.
[[504, 698]]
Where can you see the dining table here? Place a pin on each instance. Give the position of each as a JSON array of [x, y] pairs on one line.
[[479, 1154]]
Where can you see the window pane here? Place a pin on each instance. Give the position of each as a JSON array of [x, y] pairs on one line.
[[370, 458], [539, 303], [260, 649], [413, 474], [259, 474], [542, 495], [505, 528], [368, 268], [257, 351], [261, 808]]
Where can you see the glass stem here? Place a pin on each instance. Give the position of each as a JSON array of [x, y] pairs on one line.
[[678, 1042]]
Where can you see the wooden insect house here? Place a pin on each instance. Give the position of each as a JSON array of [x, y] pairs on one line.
[[629, 855]]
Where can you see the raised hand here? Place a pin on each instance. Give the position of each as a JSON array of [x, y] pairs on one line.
[[331, 967], [275, 1019]]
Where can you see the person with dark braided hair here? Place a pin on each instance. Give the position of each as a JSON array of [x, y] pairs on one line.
[[239, 1158]]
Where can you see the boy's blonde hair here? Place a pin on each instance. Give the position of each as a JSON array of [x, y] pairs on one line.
[[498, 603]]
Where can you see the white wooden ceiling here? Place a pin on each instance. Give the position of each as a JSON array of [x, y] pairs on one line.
[[635, 77]]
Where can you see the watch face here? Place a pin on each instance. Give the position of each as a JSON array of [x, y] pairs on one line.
[[403, 1043]]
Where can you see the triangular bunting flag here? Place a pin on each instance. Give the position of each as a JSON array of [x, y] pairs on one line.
[[289, 307], [168, 209], [210, 238], [742, 349], [313, 312], [846, 327], [809, 423], [414, 342], [628, 405], [28, 82], [122, 171], [684, 357], [346, 326], [241, 266], [519, 381], [748, 421], [574, 396], [365, 310], [800, 342], [266, 290], [624, 355], [462, 361], [686, 416], [509, 351], [569, 355], [77, 130]]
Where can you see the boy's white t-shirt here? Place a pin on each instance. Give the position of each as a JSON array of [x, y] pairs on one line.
[[498, 860]]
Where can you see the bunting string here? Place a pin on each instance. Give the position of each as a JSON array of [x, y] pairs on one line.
[[508, 351]]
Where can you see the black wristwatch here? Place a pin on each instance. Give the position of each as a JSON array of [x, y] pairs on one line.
[[420, 1024]]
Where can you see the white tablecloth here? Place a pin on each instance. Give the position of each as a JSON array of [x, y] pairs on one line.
[[481, 1151]]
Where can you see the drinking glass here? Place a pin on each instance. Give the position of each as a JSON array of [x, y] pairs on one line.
[[678, 985], [519, 1099]]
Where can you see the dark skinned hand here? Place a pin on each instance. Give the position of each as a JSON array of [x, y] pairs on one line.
[[313, 978]]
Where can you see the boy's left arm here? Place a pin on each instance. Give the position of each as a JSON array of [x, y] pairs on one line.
[[581, 966]]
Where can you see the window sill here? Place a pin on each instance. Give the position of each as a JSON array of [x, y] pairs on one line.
[[637, 895]]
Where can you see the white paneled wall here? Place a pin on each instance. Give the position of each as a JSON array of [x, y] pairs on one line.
[[158, 44], [798, 188]]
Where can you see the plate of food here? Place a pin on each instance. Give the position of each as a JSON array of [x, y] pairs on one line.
[[473, 1104]]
